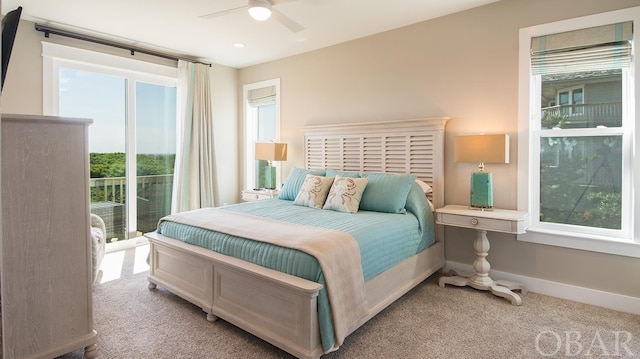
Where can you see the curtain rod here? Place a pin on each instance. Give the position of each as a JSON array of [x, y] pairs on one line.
[[50, 30]]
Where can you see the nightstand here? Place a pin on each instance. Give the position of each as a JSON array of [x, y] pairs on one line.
[[256, 194], [494, 220]]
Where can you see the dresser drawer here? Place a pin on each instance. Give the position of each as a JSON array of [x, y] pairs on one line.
[[254, 195], [488, 224], [250, 196]]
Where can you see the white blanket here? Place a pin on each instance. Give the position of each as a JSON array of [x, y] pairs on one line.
[[337, 253]]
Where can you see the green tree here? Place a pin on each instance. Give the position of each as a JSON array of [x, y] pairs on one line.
[[568, 193], [107, 165]]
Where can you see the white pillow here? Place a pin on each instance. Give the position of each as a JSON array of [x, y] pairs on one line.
[[345, 194], [425, 186], [314, 191]]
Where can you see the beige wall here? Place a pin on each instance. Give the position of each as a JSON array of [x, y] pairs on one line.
[[23, 94], [464, 66]]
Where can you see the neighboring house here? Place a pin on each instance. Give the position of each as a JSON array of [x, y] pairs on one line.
[[592, 99]]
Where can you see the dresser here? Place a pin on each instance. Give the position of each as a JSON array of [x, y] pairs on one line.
[[46, 284]]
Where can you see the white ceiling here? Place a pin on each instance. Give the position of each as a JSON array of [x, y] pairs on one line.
[[178, 27]]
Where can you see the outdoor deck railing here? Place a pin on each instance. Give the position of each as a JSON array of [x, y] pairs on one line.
[[586, 115], [108, 199], [112, 189]]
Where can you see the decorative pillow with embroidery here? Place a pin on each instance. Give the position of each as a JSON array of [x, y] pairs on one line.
[[314, 191], [345, 194], [294, 182]]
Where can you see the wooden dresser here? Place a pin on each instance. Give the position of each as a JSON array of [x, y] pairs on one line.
[[46, 284]]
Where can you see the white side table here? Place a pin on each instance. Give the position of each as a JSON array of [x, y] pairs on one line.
[[495, 220], [257, 194]]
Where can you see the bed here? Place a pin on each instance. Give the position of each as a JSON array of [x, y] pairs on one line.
[[301, 300]]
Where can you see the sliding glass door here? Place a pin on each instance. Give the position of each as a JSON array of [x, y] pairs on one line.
[[132, 141], [131, 157]]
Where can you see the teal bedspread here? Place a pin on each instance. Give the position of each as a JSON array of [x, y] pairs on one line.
[[384, 239]]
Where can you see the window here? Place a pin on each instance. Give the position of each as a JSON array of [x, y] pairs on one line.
[[132, 141], [262, 124], [569, 101], [577, 127]]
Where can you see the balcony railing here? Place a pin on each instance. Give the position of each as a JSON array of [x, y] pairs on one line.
[[108, 200], [608, 114]]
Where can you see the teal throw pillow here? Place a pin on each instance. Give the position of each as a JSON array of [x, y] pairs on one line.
[[333, 173], [294, 182], [386, 192]]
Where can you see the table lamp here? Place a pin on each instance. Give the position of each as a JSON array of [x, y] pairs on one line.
[[270, 151], [481, 149]]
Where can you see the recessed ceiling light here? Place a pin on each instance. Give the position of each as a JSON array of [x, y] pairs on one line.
[[239, 44]]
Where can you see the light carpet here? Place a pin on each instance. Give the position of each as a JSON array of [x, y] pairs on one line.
[[428, 322]]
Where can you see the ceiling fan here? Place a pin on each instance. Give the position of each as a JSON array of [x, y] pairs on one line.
[[262, 10]]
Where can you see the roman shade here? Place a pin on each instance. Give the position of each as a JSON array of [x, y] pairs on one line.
[[597, 48], [262, 96]]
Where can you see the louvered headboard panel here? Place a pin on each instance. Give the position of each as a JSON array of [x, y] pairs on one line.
[[407, 146]]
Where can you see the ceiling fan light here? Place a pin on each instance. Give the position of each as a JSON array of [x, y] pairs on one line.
[[260, 9]]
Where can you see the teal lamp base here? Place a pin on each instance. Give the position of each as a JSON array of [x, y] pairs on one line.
[[270, 177], [481, 190]]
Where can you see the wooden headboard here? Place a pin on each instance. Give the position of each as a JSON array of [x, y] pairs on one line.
[[405, 146]]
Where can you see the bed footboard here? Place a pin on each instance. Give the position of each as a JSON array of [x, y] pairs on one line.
[[277, 307]]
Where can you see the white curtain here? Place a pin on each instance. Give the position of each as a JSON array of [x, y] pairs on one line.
[[194, 174]]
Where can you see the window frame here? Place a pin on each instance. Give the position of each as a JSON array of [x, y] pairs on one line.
[[250, 115], [528, 146]]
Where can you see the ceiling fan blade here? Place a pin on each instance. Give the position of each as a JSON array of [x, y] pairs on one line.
[[286, 21], [278, 2], [223, 12]]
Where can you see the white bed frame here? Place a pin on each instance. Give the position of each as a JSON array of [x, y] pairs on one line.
[[281, 308]]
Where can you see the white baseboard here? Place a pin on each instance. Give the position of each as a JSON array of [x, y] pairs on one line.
[[623, 303]]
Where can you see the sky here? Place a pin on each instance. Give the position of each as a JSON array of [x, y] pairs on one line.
[[102, 98]]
